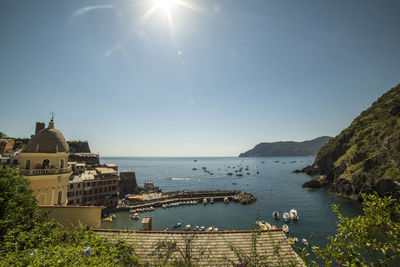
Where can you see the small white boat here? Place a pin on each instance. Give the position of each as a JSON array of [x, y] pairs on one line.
[[164, 206], [286, 217], [226, 200], [305, 242], [209, 228], [196, 228], [212, 201], [285, 228], [293, 214], [263, 225], [275, 215], [201, 228], [215, 229], [187, 227], [205, 201]]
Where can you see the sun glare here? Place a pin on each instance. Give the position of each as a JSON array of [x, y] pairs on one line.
[[165, 5]]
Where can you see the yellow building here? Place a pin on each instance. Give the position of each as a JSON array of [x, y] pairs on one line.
[[44, 162]]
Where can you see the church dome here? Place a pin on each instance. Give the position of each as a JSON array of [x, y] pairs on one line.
[[48, 140]]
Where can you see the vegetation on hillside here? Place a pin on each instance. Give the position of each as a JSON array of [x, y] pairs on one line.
[[365, 157]]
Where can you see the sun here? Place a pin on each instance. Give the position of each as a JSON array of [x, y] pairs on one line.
[[165, 5]]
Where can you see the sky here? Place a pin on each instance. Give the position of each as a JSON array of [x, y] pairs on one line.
[[193, 78]]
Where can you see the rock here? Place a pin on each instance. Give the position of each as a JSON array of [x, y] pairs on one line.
[[312, 184], [385, 186]]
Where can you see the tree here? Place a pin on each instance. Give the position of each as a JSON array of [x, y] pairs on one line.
[[371, 239], [28, 238], [3, 135]]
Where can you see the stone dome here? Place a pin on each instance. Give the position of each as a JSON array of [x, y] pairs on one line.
[[48, 140]]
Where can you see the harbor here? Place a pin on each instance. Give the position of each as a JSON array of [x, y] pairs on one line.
[[190, 197]]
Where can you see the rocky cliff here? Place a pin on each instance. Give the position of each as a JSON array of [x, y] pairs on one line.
[[287, 149], [365, 157]]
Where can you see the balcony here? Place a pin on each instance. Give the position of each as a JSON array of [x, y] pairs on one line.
[[31, 172]]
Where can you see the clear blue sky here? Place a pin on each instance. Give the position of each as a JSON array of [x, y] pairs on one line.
[[214, 79]]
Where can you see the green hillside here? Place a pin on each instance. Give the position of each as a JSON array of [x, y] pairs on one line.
[[365, 157]]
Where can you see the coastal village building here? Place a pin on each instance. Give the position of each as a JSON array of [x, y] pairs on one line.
[[95, 187], [44, 164]]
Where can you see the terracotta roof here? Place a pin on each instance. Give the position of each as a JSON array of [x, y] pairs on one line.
[[211, 248]]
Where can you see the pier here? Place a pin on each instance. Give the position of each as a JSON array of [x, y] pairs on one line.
[[170, 197]]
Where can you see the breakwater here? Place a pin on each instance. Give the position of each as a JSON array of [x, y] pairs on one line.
[[170, 197]]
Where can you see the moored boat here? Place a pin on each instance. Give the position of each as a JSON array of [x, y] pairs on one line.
[[226, 200], [187, 227], [107, 219], [205, 201], [286, 217], [209, 228], [263, 225], [285, 228], [211, 201], [178, 224], [201, 228], [196, 228], [293, 214], [275, 215]]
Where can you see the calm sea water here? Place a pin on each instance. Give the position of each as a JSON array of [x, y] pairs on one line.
[[276, 188]]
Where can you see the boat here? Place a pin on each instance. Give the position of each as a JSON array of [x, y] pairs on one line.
[[285, 228], [209, 228], [212, 201], [263, 225], [286, 216], [275, 215], [113, 215], [178, 224], [205, 201], [273, 227], [215, 229], [226, 200], [305, 242], [187, 227], [201, 228], [194, 169], [290, 240], [107, 219], [164, 206], [165, 229], [134, 216], [196, 228], [132, 211], [293, 214]]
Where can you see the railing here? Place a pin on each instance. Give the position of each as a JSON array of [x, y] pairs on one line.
[[29, 172]]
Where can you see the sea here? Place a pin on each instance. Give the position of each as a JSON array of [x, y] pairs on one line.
[[275, 186]]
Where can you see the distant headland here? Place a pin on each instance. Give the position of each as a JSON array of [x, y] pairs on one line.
[[287, 148]]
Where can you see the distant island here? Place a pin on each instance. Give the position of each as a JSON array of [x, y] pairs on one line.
[[364, 157], [287, 148]]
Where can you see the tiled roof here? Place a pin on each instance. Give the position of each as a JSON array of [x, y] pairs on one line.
[[210, 248]]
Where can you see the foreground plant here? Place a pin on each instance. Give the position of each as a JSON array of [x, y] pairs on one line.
[[29, 239], [371, 239]]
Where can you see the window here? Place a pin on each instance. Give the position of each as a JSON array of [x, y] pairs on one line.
[[71, 202], [79, 185], [95, 191], [59, 202], [90, 199], [46, 164], [77, 201], [27, 164], [71, 186], [84, 199], [85, 193]]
